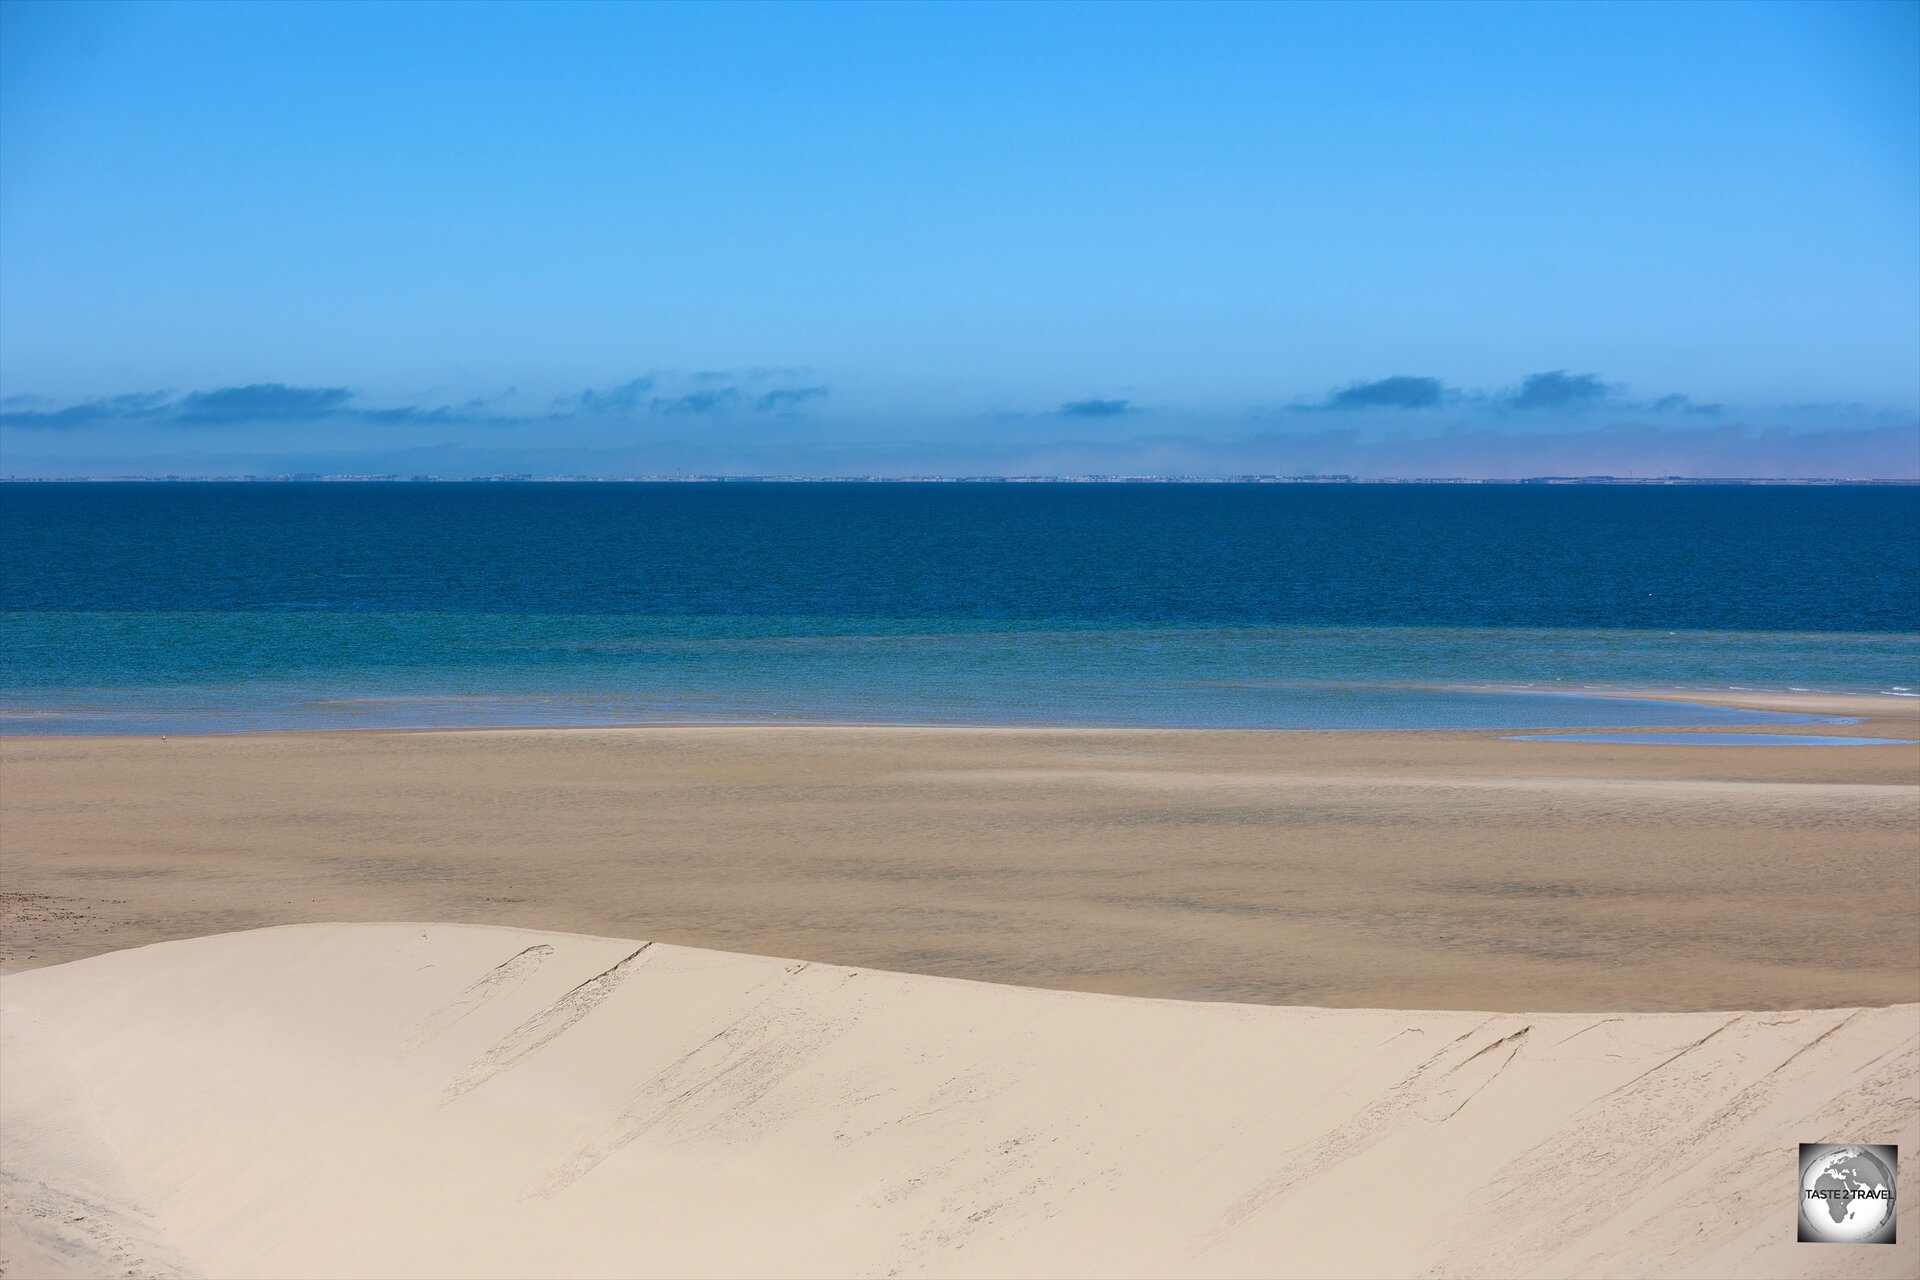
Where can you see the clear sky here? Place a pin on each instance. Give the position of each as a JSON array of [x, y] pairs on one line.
[[1424, 239]]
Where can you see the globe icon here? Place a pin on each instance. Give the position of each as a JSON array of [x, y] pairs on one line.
[[1846, 1195]]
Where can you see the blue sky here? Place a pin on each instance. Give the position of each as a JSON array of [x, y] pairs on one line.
[[616, 239]]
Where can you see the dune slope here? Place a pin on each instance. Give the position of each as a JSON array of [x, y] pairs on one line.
[[447, 1100]]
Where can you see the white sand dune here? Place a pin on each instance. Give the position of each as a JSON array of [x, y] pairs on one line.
[[388, 1100]]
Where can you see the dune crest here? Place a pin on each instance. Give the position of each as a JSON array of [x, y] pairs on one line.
[[457, 1100]]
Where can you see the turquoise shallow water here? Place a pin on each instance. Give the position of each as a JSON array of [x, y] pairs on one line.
[[252, 708], [173, 609], [163, 673]]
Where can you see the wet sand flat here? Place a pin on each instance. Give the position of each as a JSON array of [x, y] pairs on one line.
[[1409, 870]]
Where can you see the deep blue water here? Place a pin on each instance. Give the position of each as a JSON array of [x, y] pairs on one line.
[[167, 608]]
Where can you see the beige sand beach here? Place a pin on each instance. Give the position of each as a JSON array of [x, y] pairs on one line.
[[788, 1080], [1384, 870], [402, 1100]]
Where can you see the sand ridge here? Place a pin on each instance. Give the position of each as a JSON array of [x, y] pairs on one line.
[[1889, 706], [388, 1099]]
